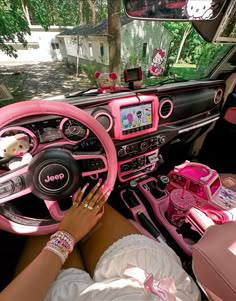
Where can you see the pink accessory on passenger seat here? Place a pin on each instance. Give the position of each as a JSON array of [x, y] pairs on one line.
[[164, 288]]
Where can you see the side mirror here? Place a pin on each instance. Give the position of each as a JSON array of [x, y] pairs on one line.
[[175, 10]]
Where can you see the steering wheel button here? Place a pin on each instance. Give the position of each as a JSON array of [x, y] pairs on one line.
[[6, 189], [17, 182]]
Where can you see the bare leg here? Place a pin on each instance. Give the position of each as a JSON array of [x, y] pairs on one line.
[[33, 247], [110, 228]]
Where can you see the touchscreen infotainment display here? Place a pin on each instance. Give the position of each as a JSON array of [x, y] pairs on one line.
[[135, 118]]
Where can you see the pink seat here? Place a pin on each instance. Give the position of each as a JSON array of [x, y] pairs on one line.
[[214, 262]]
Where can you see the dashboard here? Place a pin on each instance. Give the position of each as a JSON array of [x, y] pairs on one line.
[[140, 123]]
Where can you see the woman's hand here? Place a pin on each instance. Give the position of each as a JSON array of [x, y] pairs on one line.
[[84, 214]]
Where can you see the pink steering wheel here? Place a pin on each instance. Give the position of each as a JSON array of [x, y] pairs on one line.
[[55, 162]]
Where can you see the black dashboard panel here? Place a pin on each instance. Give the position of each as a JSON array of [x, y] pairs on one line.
[[188, 103]]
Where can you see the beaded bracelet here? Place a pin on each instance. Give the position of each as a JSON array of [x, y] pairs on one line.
[[61, 243]]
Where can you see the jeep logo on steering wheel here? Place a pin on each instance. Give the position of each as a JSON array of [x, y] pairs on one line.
[[54, 177], [57, 177]]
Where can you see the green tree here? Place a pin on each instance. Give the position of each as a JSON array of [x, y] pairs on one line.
[[13, 26], [52, 12], [187, 45]]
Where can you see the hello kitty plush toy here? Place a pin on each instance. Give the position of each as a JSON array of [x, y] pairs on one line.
[[198, 9], [14, 146], [106, 81]]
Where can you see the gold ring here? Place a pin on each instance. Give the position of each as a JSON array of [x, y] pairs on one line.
[[85, 205], [90, 207], [75, 203], [97, 206]]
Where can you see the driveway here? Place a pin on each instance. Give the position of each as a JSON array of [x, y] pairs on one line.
[[40, 80]]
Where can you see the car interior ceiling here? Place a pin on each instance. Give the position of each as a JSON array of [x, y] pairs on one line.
[[198, 126]]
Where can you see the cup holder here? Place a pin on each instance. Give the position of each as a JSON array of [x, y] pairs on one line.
[[189, 235], [185, 235]]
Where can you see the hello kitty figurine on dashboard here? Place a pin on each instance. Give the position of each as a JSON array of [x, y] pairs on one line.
[[198, 9], [106, 81]]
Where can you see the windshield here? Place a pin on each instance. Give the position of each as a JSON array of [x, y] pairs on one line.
[[182, 53], [56, 47]]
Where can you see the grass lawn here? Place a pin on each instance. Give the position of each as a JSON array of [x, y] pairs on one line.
[[185, 70]]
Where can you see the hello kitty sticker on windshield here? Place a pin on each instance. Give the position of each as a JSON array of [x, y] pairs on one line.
[[158, 57]]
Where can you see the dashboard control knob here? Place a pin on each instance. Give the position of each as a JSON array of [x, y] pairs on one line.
[[121, 152], [162, 139], [144, 145], [133, 184], [125, 167]]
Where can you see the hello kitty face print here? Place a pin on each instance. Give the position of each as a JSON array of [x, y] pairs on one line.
[[158, 57], [199, 9]]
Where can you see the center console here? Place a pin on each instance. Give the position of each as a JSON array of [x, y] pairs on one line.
[[153, 191], [188, 201], [134, 118], [185, 235], [138, 158]]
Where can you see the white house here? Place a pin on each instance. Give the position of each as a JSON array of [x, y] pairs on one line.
[[42, 46], [138, 41]]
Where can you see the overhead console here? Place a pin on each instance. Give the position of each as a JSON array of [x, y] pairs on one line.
[[134, 116]]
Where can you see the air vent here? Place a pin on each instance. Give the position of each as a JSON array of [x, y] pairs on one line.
[[218, 96], [104, 119], [165, 108]]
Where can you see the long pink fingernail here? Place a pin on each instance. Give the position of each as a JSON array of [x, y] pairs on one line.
[[99, 182], [85, 187]]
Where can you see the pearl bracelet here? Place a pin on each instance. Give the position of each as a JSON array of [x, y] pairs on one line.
[[54, 250]]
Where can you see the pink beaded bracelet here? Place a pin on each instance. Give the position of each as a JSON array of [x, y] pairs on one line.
[[61, 243]]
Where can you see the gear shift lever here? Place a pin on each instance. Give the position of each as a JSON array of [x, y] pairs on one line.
[[162, 182], [157, 188]]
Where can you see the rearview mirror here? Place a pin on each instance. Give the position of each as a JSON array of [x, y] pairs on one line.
[[174, 9]]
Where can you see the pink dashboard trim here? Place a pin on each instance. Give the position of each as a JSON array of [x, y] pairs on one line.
[[116, 107]]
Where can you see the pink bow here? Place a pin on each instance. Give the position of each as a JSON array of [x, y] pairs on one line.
[[164, 288]]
